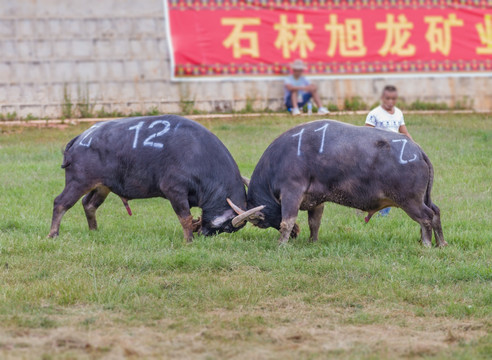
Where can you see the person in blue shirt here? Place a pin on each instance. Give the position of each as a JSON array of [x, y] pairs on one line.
[[298, 91]]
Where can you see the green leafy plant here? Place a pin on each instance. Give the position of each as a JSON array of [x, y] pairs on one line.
[[423, 105], [8, 116], [332, 107], [67, 105], [84, 107], [355, 103], [153, 111], [102, 113], [30, 117]]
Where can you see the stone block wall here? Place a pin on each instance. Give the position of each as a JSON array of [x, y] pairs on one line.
[[112, 55]]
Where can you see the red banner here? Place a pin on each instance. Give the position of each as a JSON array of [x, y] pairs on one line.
[[260, 37]]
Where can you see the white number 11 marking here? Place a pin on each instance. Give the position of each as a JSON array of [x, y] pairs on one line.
[[300, 141], [322, 146]]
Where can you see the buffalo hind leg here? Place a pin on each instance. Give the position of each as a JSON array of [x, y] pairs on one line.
[[314, 220], [436, 225], [91, 203], [423, 215], [63, 202]]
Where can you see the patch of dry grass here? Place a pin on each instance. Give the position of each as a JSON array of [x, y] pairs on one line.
[[287, 329]]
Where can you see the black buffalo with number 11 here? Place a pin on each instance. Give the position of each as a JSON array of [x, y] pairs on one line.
[[356, 166], [160, 156]]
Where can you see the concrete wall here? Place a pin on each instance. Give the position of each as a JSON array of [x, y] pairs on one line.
[[115, 52]]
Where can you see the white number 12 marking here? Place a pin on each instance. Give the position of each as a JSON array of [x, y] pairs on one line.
[[148, 141]]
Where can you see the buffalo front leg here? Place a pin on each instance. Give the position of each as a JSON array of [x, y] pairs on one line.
[[187, 224], [63, 202], [296, 230], [290, 208], [314, 220], [91, 203], [182, 209]]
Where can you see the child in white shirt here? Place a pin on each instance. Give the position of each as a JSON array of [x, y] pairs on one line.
[[388, 117]]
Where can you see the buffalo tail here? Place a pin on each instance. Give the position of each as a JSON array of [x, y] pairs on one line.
[[67, 159], [427, 198]]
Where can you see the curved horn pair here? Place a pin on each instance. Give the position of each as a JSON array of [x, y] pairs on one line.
[[242, 215]]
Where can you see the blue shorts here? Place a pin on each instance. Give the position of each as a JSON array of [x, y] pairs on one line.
[[305, 98]]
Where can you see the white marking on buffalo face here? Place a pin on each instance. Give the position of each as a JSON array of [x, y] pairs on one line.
[[218, 221]]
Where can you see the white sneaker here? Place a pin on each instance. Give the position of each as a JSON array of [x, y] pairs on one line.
[[323, 111], [296, 111]]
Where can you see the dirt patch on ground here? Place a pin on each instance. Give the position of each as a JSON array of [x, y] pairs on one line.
[[286, 330]]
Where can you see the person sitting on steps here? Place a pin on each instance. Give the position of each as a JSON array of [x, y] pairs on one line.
[[299, 91]]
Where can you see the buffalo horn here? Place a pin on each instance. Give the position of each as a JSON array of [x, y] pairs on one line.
[[234, 207], [243, 215], [245, 180]]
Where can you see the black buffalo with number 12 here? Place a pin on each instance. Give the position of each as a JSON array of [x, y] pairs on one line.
[[160, 156], [356, 166]]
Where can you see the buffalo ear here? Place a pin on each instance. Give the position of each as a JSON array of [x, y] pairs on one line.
[[245, 180]]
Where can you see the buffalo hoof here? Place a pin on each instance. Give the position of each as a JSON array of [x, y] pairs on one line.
[[442, 244], [196, 224], [427, 244], [295, 231], [52, 235]]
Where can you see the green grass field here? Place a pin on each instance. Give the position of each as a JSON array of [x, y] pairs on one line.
[[134, 289]]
